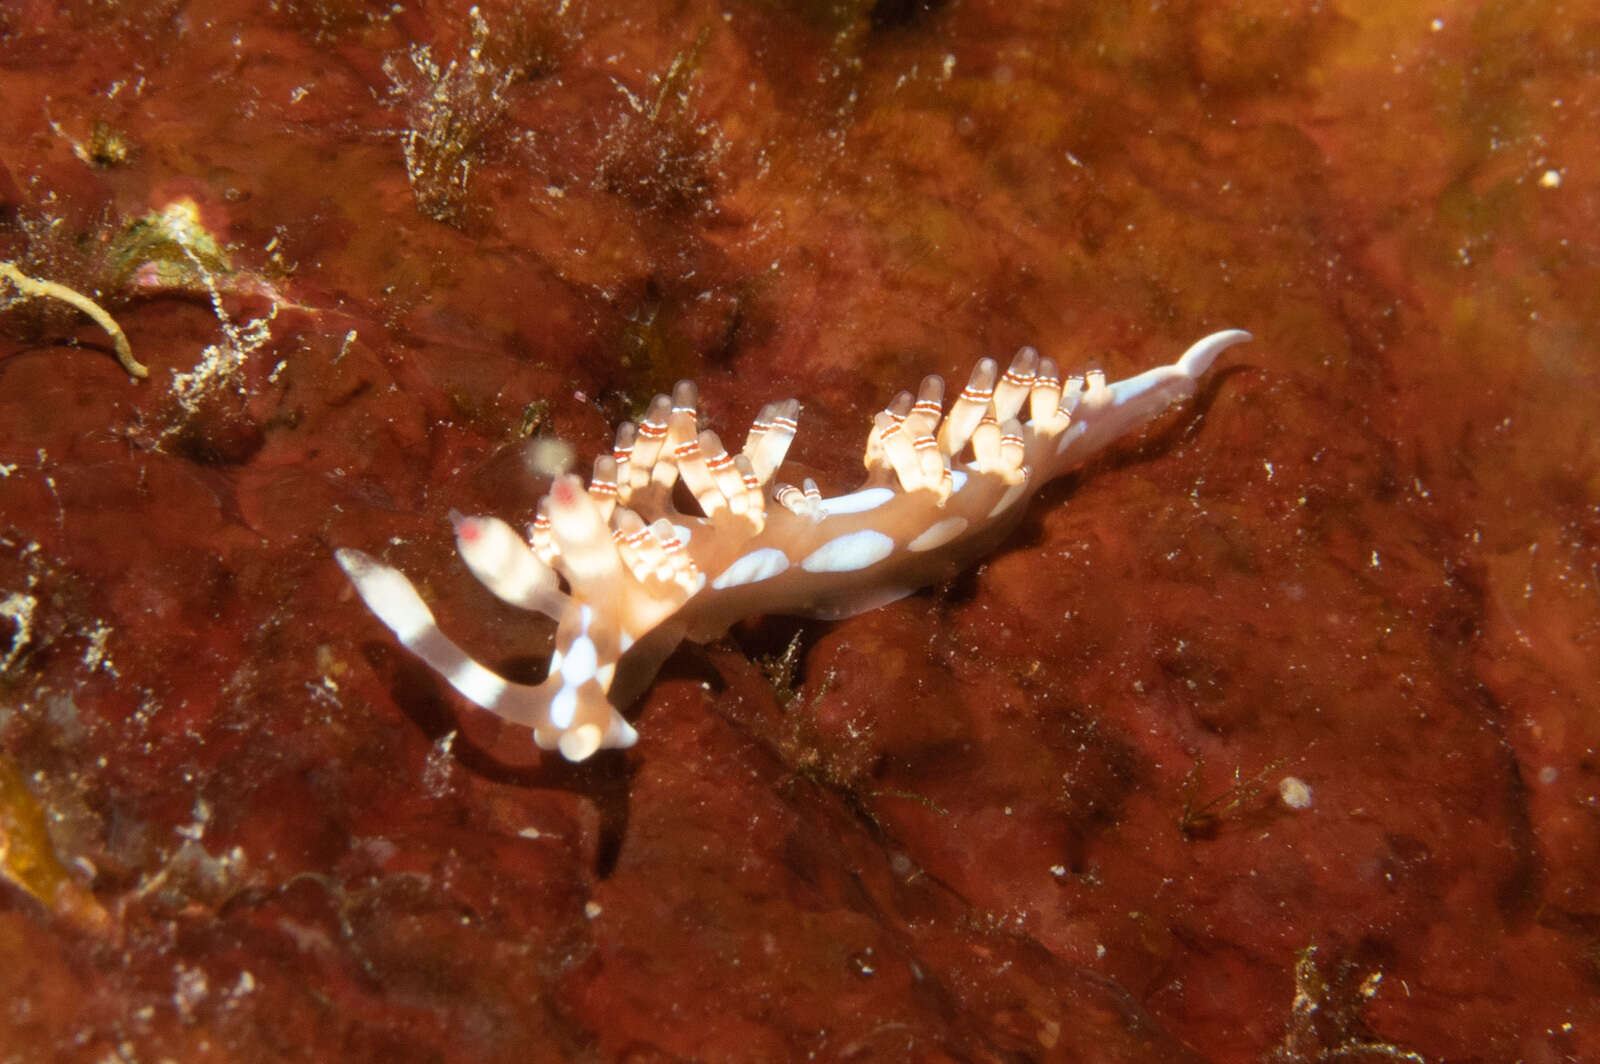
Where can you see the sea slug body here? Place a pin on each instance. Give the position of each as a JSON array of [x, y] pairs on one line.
[[626, 576]]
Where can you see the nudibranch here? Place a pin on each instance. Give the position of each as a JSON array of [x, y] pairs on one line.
[[626, 575]]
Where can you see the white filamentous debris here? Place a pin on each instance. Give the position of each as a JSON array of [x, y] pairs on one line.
[[96, 656], [219, 363], [18, 608], [438, 768]]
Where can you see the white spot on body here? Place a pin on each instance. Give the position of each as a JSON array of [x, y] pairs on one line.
[[761, 564], [857, 502], [564, 707], [579, 664], [938, 534], [576, 667], [851, 551]]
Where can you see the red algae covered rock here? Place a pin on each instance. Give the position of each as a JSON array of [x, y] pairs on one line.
[[1269, 735]]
